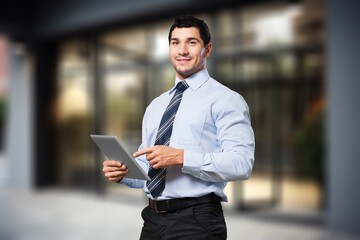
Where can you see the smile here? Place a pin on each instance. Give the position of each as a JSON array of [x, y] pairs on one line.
[[183, 60]]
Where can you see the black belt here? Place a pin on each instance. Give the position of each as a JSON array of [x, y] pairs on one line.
[[165, 206]]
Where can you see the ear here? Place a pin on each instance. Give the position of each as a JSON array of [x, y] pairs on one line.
[[208, 49]]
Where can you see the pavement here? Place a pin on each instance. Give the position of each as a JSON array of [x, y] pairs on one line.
[[54, 214]]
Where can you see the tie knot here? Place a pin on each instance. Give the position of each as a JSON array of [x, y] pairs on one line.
[[181, 86]]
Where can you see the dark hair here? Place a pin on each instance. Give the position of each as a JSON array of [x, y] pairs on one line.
[[188, 21]]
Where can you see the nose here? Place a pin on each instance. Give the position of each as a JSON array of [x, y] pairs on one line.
[[183, 49]]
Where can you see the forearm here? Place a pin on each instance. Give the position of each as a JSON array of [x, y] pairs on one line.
[[219, 167]]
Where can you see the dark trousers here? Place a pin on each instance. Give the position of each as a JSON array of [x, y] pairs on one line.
[[205, 221]]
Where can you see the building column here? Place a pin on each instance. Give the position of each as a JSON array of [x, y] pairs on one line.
[[343, 118], [19, 135]]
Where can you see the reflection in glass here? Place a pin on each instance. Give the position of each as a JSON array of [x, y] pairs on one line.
[[123, 104], [73, 110]]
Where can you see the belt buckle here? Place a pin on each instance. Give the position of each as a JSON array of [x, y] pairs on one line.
[[158, 211], [156, 208]]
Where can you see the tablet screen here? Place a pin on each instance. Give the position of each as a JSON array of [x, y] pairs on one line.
[[113, 149]]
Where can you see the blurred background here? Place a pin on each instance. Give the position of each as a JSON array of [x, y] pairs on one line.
[[69, 69]]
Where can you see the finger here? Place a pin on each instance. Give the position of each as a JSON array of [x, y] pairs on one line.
[[123, 168], [150, 156], [114, 179], [115, 169], [153, 161], [115, 174], [108, 169], [157, 165], [117, 178], [112, 163], [143, 151]]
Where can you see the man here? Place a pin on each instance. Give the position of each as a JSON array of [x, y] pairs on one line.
[[195, 138]]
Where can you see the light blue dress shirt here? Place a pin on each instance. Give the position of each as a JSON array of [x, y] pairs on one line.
[[213, 127]]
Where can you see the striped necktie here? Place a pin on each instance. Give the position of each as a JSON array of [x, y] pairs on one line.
[[157, 183]]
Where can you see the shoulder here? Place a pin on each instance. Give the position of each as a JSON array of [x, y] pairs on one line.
[[224, 98], [219, 90]]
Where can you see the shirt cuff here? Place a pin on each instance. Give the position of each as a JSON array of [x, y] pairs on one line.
[[193, 162]]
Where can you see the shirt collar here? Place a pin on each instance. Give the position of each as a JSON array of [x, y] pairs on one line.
[[194, 81]]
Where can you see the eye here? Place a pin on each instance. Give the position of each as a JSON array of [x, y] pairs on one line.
[[192, 43], [174, 43]]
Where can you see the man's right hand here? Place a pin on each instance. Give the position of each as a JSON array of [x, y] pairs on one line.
[[114, 170]]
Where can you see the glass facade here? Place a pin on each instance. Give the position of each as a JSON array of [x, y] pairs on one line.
[[262, 52]]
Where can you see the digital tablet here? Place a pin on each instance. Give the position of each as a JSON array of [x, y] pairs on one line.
[[113, 149]]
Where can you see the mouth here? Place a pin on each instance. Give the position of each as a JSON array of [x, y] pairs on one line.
[[183, 60]]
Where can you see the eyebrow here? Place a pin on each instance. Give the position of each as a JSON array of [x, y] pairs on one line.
[[187, 39]]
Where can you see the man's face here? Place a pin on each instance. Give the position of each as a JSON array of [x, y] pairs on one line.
[[187, 51]]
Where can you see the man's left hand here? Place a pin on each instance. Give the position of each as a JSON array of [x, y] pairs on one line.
[[160, 156]]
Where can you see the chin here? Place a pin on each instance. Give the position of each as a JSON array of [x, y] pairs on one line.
[[182, 72]]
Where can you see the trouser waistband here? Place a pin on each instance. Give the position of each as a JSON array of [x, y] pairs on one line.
[[170, 205]]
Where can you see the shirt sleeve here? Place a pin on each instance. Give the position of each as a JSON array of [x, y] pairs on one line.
[[236, 138]]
